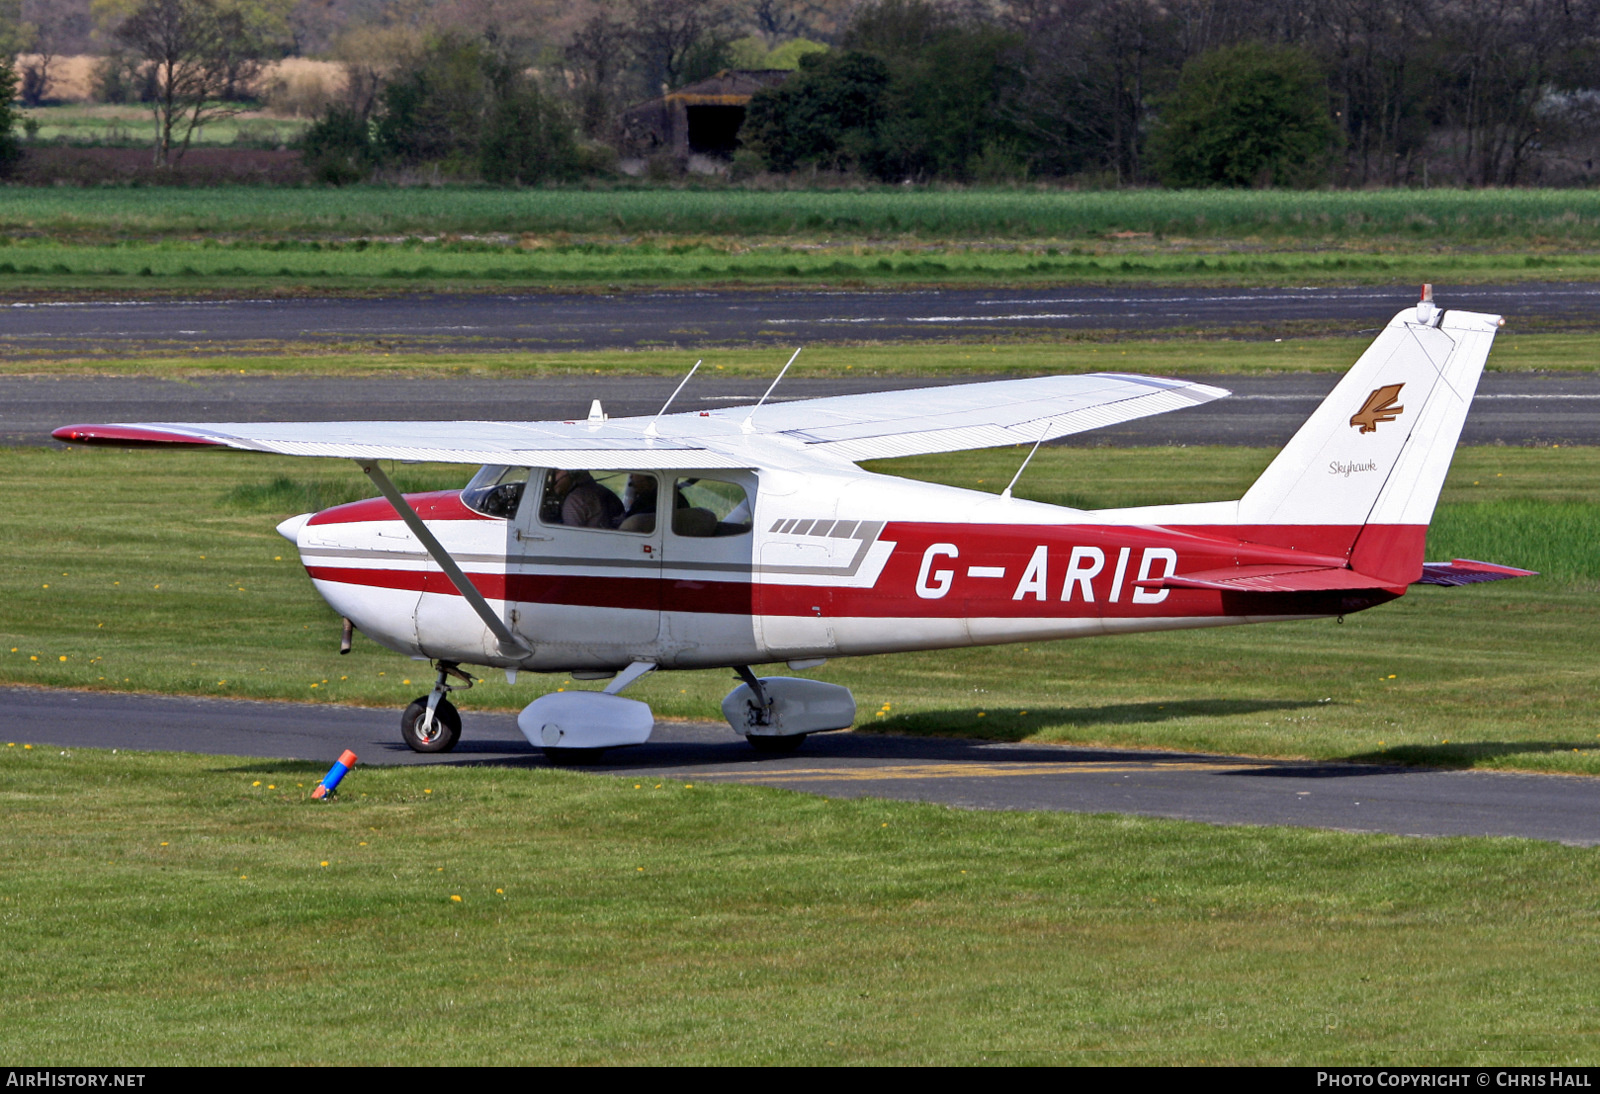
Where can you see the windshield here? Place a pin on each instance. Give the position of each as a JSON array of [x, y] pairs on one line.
[[496, 491]]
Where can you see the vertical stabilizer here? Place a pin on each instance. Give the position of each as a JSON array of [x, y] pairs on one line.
[[1376, 452]]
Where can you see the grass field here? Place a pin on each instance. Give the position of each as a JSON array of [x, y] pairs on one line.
[[180, 909], [983, 355], [160, 572], [133, 124], [1507, 219], [242, 268], [244, 239]]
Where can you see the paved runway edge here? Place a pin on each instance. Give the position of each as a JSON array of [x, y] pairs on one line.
[[1227, 790]]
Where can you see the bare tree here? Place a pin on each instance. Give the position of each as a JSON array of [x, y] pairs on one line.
[[595, 60], [195, 56], [668, 32], [1086, 77]]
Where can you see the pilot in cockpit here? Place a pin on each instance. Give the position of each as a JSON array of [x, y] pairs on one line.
[[584, 502]]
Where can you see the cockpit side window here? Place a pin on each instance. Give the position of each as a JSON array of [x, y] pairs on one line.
[[621, 501], [496, 491]]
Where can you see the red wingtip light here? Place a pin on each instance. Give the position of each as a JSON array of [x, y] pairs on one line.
[[128, 436]]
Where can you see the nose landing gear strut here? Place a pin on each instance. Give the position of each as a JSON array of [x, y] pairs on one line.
[[431, 723]]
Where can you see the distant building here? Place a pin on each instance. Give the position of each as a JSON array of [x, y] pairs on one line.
[[702, 119]]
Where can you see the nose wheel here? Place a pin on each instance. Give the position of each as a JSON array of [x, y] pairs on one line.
[[431, 723], [436, 733]]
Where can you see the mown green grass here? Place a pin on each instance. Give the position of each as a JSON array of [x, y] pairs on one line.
[[1557, 219], [139, 267], [1093, 351], [159, 572], [193, 910]]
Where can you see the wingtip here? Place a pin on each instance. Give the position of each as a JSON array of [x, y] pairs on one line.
[[127, 436]]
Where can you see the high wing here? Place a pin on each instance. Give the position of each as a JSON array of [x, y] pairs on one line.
[[841, 428]]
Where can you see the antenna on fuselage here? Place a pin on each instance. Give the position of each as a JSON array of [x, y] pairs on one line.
[[749, 420], [1043, 433], [650, 430]]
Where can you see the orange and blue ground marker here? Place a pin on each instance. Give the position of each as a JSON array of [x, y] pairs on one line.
[[330, 781]]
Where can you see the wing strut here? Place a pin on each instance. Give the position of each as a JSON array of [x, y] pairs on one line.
[[510, 644]]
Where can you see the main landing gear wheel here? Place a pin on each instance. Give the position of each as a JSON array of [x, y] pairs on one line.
[[769, 745], [441, 736]]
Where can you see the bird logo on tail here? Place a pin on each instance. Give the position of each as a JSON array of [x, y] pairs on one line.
[[1379, 407]]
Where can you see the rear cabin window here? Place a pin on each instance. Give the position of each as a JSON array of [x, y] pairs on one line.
[[711, 507]]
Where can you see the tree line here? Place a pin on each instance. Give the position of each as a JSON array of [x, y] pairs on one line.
[[1113, 92]]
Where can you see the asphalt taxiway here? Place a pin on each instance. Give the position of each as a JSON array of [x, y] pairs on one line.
[[549, 322], [964, 774], [1510, 408]]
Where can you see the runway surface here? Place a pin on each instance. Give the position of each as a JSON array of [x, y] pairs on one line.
[[972, 775], [1511, 408], [573, 321]]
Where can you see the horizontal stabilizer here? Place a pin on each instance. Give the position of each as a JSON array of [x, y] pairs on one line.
[[1268, 579], [1313, 579], [1465, 571]]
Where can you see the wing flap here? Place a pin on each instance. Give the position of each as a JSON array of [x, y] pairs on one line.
[[984, 415]]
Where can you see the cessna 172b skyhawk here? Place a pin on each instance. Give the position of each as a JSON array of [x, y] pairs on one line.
[[610, 548]]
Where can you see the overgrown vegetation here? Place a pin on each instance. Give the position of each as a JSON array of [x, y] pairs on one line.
[[1419, 92]]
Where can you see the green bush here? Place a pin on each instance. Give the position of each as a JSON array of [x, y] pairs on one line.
[[527, 138], [337, 148], [826, 115], [10, 146], [1248, 115]]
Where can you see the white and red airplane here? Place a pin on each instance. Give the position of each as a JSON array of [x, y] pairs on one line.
[[610, 548]]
